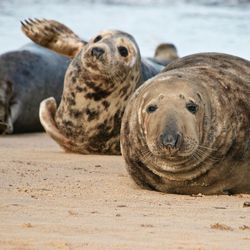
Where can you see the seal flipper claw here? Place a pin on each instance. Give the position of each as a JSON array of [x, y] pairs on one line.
[[46, 114], [53, 35], [24, 26]]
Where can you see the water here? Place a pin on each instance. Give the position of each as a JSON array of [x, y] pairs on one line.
[[193, 26]]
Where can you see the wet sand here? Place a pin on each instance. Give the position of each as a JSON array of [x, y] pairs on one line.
[[55, 200]]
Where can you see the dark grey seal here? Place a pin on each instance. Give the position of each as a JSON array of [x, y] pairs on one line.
[[28, 76]]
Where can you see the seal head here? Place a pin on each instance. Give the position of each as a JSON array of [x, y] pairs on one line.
[[181, 114]]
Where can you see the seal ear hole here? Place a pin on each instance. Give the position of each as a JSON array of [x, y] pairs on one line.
[[151, 108], [192, 107], [97, 39], [123, 51]]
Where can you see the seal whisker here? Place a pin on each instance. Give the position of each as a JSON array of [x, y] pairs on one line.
[[198, 155], [194, 156], [207, 155], [213, 149]]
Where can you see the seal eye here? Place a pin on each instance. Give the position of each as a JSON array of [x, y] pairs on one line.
[[192, 107], [97, 39], [151, 108], [123, 51]]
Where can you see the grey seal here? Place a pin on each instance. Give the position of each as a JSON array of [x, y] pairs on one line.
[[103, 74], [28, 76], [187, 130]]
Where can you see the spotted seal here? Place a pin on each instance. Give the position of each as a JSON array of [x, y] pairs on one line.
[[187, 130], [27, 76], [99, 81]]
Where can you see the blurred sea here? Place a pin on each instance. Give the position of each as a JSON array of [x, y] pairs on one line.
[[193, 26]]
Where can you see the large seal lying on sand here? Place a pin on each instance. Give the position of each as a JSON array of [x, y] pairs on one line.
[[187, 130], [27, 76], [98, 83]]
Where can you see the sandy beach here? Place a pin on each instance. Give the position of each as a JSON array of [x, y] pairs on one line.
[[55, 200]]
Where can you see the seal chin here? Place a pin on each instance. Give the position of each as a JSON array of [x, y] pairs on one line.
[[170, 154], [173, 153], [163, 152]]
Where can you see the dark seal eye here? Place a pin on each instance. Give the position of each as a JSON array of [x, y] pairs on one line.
[[151, 108], [123, 51], [97, 39], [192, 107]]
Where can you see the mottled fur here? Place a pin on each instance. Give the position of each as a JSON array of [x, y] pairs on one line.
[[214, 157], [53, 35]]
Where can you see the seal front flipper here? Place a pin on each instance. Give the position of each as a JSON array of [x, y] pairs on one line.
[[47, 112], [53, 35]]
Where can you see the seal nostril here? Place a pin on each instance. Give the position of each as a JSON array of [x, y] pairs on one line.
[[167, 140], [178, 140], [97, 52], [170, 140]]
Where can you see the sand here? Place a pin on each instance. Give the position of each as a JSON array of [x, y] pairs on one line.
[[55, 200]]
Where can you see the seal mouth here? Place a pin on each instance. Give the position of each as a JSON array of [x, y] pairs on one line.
[[173, 149], [170, 144]]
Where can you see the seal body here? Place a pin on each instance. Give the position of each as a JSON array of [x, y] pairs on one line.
[[96, 91], [103, 74], [187, 130], [27, 76]]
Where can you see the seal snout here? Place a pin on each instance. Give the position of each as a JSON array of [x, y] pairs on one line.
[[171, 140], [97, 52]]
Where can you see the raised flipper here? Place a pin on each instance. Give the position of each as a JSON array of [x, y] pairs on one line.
[[47, 112], [53, 35]]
